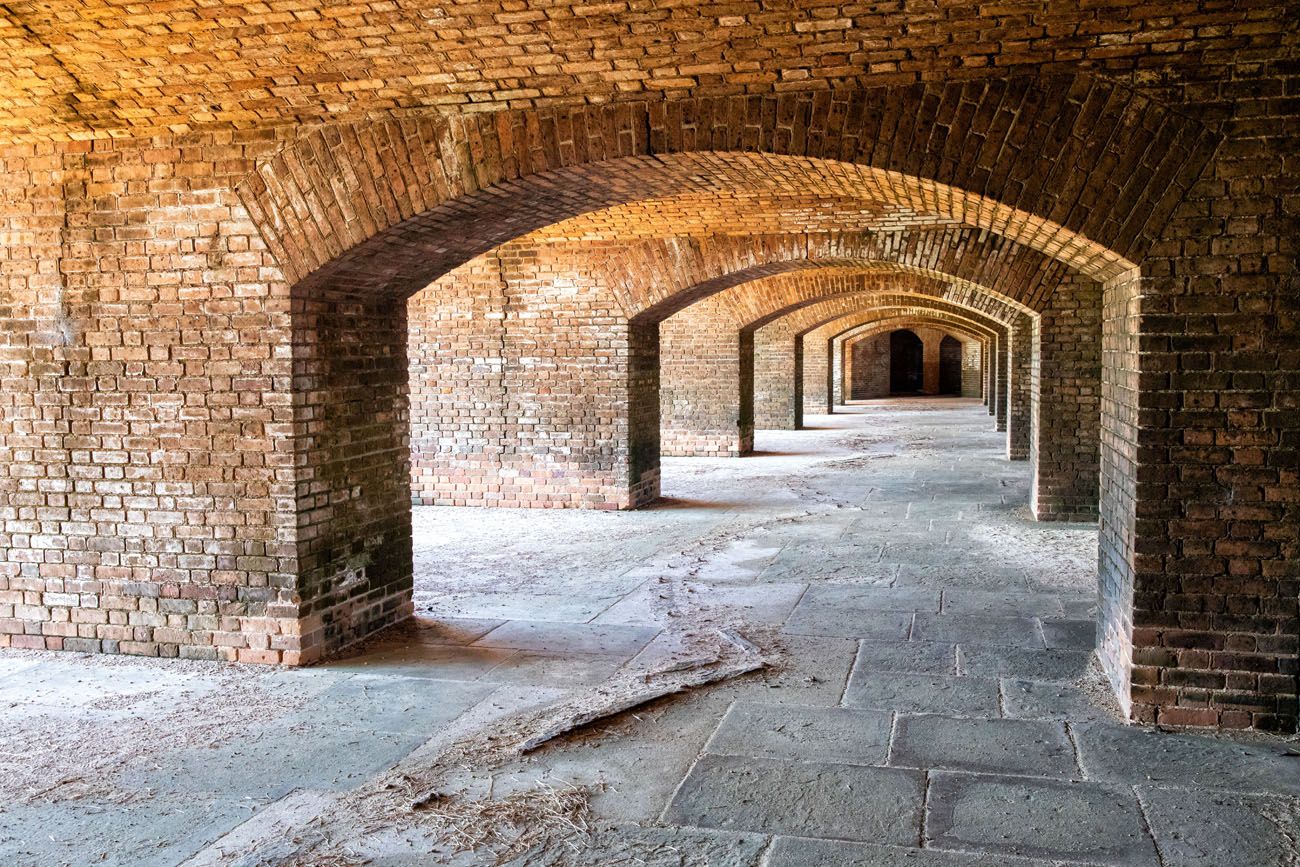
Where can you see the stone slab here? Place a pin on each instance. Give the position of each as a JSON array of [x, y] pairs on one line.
[[978, 629], [923, 693], [160, 831], [812, 799], [1038, 819], [845, 622], [1069, 634], [555, 637], [1212, 829], [1029, 699], [653, 847], [992, 746], [1001, 603], [1144, 756], [802, 733], [918, 657], [798, 852], [1028, 663], [267, 834]]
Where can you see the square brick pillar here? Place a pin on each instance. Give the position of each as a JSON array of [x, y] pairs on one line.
[[530, 392], [1020, 364], [839, 371], [817, 375], [706, 397], [1065, 443], [778, 378], [1002, 382], [972, 368], [352, 452]]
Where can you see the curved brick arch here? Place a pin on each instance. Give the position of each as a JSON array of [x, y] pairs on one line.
[[779, 347], [827, 375], [386, 205]]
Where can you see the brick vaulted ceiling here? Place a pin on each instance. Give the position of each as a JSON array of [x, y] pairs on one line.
[[89, 68]]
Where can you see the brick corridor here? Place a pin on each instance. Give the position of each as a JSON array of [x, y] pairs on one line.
[[932, 687]]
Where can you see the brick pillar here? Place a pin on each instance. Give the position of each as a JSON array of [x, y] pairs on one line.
[[817, 375], [355, 569], [1119, 458], [706, 373], [930, 340], [1065, 441], [972, 368], [1020, 362], [778, 378], [838, 371], [870, 366], [526, 414], [1002, 381], [983, 372]]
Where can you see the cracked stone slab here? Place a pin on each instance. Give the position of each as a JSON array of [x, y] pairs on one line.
[[812, 799], [1210, 829], [555, 637], [802, 733], [1144, 756], [1038, 819], [796, 852], [1031, 664], [919, 657], [923, 693], [978, 629], [993, 746]]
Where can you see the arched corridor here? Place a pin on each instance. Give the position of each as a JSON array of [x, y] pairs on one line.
[[682, 433]]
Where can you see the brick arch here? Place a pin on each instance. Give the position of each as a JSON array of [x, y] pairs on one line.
[[779, 354], [384, 206], [819, 376]]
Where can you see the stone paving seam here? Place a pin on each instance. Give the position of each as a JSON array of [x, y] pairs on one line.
[[1147, 826]]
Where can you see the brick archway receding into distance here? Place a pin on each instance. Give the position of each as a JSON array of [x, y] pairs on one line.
[[361, 215]]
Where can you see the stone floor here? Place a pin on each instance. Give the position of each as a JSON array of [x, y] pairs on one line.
[[931, 699]]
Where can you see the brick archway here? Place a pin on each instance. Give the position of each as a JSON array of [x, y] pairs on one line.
[[842, 364], [361, 215], [385, 206], [707, 353]]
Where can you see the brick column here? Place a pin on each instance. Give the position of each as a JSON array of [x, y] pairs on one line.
[[838, 372], [1065, 441], [971, 368], [930, 340], [706, 385], [870, 356], [778, 378], [1020, 363], [352, 450], [1002, 381], [527, 414], [816, 375]]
